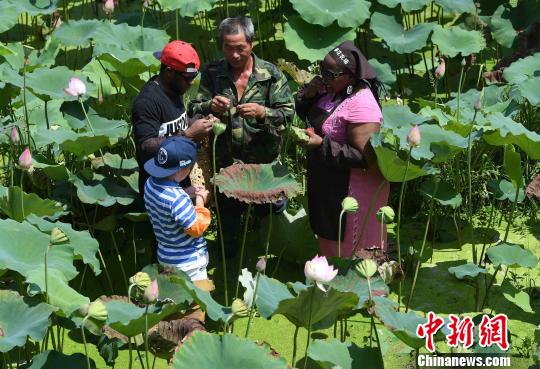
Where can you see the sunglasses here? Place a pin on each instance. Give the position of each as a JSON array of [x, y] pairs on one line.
[[188, 77], [329, 75]]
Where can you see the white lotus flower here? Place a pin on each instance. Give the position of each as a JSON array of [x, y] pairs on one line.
[[318, 271]]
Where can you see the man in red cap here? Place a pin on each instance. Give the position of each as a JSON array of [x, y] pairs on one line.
[[158, 111]]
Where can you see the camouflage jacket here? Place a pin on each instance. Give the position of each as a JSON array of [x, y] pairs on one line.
[[249, 140]]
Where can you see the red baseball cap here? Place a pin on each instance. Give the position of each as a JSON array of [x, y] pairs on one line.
[[180, 56]]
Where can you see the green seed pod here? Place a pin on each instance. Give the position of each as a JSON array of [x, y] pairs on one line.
[[218, 128], [239, 308], [141, 280], [367, 268], [57, 236], [386, 215], [349, 204], [97, 310]]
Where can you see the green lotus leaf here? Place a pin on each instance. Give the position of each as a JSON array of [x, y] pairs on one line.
[[530, 90], [299, 135], [312, 42], [332, 354], [466, 270], [55, 360], [348, 14], [512, 255], [269, 295], [22, 249], [103, 75], [353, 282], [384, 72], [457, 6], [49, 84], [19, 320], [125, 61], [397, 116], [213, 309], [5, 50], [114, 129], [445, 195], [115, 161], [81, 242], [36, 113], [257, 183], [400, 40], [76, 143], [104, 191], [36, 58], [11, 9], [512, 165], [8, 16], [208, 350], [523, 69], [502, 28], [406, 5], [506, 131], [505, 190], [169, 287], [402, 325], [132, 181], [437, 114], [18, 204], [393, 167], [187, 8], [455, 40], [53, 171], [78, 32], [519, 298]]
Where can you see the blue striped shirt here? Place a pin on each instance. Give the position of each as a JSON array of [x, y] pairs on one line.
[[171, 212]]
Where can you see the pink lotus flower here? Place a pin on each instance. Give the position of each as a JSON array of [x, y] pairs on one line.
[[151, 293], [14, 135], [25, 160], [441, 69], [75, 87], [318, 271], [108, 7], [261, 265], [414, 137]]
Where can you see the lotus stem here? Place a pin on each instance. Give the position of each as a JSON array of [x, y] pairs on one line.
[[252, 307], [295, 345], [26, 120], [176, 23], [489, 286], [146, 337], [269, 233], [89, 123], [422, 248], [490, 222], [339, 232], [459, 92], [130, 353], [46, 276], [309, 325], [84, 342], [119, 259], [22, 196], [511, 215], [242, 248]]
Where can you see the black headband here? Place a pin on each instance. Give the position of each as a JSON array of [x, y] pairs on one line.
[[351, 58]]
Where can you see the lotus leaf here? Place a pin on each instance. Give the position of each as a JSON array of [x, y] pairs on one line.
[[248, 282], [402, 325], [257, 183], [400, 40], [49, 83], [101, 190], [445, 195], [512, 165], [457, 6], [530, 90], [453, 41], [115, 161], [503, 30], [102, 74], [299, 135], [114, 129], [466, 270], [16, 208], [353, 282], [187, 8], [78, 32], [214, 310], [18, 320], [312, 42], [384, 72], [347, 14], [507, 131], [332, 354], [523, 69], [11, 9], [406, 5], [55, 360], [76, 143], [396, 116], [511, 255], [393, 167], [208, 350], [517, 297], [505, 190], [53, 171], [168, 286], [269, 295], [8, 16]]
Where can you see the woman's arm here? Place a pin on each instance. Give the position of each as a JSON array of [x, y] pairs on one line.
[[359, 136]]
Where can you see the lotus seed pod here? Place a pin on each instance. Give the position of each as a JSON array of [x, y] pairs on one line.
[[218, 128], [97, 310], [57, 236], [141, 280], [151, 293], [386, 215], [261, 265], [349, 204], [367, 268], [414, 138], [239, 308]]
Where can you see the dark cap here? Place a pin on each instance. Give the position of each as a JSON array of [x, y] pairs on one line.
[[174, 154]]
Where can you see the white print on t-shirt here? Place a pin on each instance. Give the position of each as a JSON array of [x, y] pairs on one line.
[[174, 126]]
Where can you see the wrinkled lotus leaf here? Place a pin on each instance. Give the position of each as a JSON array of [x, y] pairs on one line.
[[19, 320], [11, 9], [406, 5], [466, 270], [49, 83], [332, 354], [187, 8], [28, 259], [505, 190], [299, 135], [396, 116], [353, 282], [511, 255], [81, 242], [53, 171], [502, 28], [384, 72], [18, 205], [55, 360], [523, 69], [402, 325], [78, 32], [445, 195], [76, 143], [325, 12], [257, 183], [457, 6], [533, 189], [104, 191], [312, 42], [208, 350], [129, 319], [453, 41], [269, 294], [530, 90], [213, 309], [169, 288], [519, 298], [437, 114], [393, 167], [114, 161], [507, 131], [400, 40]]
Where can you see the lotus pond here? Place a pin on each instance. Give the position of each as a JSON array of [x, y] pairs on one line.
[[79, 287]]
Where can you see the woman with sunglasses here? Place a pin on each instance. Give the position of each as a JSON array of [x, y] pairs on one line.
[[342, 110]]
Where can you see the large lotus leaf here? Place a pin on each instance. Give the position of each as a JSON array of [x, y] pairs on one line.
[[269, 295], [400, 40], [8, 16], [325, 12], [208, 350], [505, 190], [396, 116], [494, 99], [455, 40], [457, 6], [406, 5], [5, 50], [523, 69], [512, 165], [187, 8], [36, 113], [53, 171], [112, 128], [466, 270], [502, 28], [22, 249], [55, 360], [101, 190], [114, 161], [393, 167], [402, 325], [312, 42], [530, 90], [213, 309], [517, 297], [384, 72], [506, 131], [511, 255], [332, 354], [353, 282], [443, 193], [102, 74], [78, 32], [18, 205], [19, 320], [129, 319], [81, 242], [257, 183], [168, 285], [11, 9], [77, 143], [49, 83], [437, 114]]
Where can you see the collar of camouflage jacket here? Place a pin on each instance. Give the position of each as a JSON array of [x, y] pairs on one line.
[[260, 71]]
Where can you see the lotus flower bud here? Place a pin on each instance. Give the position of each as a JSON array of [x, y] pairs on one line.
[[261, 265], [141, 280], [388, 271], [1, 332], [399, 100], [367, 268], [218, 128], [318, 271], [349, 204], [441, 69], [75, 87], [239, 308], [57, 236], [14, 135], [25, 160], [386, 215], [97, 310], [478, 105], [414, 137], [463, 62], [151, 293], [108, 7]]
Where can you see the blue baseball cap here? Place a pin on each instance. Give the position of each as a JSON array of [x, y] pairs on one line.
[[174, 154]]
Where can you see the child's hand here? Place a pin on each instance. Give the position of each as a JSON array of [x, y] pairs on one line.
[[191, 191], [201, 196]]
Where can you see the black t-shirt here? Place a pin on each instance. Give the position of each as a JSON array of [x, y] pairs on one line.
[[155, 114]]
